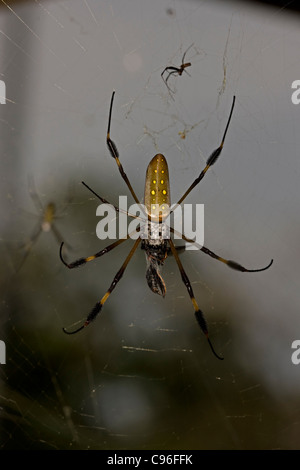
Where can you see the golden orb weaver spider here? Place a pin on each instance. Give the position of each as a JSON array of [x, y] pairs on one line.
[[48, 215], [156, 249]]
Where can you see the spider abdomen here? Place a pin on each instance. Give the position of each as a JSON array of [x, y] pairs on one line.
[[157, 188]]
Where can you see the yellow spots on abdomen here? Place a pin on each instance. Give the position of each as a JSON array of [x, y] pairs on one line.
[[157, 187]]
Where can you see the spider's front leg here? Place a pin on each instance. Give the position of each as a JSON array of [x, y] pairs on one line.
[[115, 154]]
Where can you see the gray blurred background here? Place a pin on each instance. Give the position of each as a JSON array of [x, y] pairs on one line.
[[142, 375]]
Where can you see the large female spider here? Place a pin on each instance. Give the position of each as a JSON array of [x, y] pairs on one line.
[[157, 248]]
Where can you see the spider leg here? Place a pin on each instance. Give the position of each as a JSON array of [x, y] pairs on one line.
[[211, 159], [183, 57], [231, 264], [58, 236], [98, 306], [115, 154], [81, 261], [104, 201], [28, 246], [198, 313], [173, 71], [36, 200], [34, 195]]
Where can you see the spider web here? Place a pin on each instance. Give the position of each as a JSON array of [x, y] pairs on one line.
[[142, 376]]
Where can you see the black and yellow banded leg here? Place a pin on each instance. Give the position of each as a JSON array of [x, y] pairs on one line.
[[211, 160], [81, 261], [231, 264], [115, 154], [97, 308], [198, 313]]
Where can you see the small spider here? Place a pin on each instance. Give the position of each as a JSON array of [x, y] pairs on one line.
[[47, 215], [171, 70], [157, 247]]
